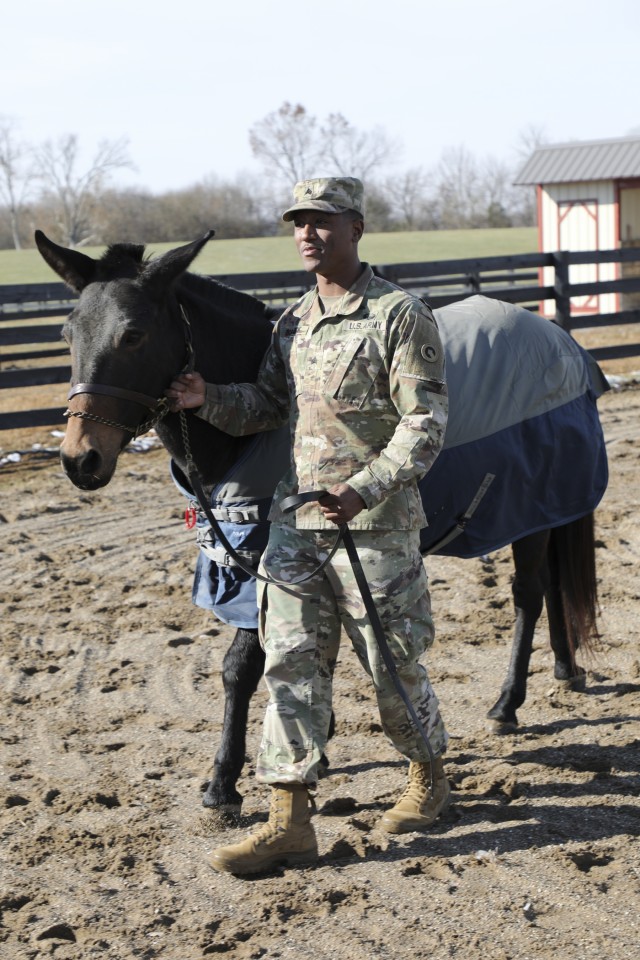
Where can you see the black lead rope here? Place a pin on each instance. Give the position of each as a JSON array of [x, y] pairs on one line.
[[196, 486], [292, 503], [344, 536]]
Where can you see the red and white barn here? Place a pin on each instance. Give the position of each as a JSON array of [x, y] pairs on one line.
[[588, 196]]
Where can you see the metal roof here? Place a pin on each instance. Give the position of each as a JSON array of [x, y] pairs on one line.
[[582, 160]]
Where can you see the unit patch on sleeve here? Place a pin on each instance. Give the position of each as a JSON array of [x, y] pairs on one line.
[[424, 358]]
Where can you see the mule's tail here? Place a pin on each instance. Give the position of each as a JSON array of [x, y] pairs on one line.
[[573, 549]]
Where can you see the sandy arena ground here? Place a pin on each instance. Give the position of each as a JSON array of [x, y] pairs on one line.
[[112, 705]]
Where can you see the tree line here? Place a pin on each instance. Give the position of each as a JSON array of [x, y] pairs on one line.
[[78, 204]]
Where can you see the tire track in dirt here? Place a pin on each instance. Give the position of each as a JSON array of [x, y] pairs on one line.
[[111, 705]]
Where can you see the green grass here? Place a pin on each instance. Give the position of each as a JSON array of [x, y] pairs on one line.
[[264, 254]]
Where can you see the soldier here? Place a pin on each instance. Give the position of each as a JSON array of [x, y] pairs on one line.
[[357, 368]]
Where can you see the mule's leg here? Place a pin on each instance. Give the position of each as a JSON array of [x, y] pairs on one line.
[[242, 668], [529, 584], [565, 669], [324, 760]]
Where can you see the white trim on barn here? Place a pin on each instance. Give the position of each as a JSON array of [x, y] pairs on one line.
[[588, 199]]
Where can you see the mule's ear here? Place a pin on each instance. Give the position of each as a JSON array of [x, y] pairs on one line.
[[76, 269], [163, 271]]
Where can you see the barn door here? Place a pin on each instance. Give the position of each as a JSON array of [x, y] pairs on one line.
[[578, 230]]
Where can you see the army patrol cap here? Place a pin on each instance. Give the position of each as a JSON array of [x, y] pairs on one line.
[[331, 194]]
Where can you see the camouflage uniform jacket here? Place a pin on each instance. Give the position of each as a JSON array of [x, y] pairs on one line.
[[362, 385]]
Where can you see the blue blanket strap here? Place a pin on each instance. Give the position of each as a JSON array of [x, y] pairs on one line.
[[461, 524]]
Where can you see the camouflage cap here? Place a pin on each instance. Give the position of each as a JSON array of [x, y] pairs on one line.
[[331, 194]]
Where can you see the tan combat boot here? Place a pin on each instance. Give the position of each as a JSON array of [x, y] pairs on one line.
[[286, 838], [418, 807]]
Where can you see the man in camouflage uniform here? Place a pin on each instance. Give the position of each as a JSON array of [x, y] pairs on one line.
[[357, 368]]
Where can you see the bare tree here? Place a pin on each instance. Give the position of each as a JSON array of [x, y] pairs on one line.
[[410, 198], [286, 142], [354, 152], [525, 208], [459, 190], [471, 193], [379, 209], [75, 192], [15, 176], [291, 143], [496, 178], [529, 139]]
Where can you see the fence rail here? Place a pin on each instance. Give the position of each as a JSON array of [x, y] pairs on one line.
[[515, 279]]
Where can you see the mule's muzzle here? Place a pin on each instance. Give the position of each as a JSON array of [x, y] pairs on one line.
[[86, 470]]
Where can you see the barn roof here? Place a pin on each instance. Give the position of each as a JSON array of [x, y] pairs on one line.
[[582, 160]]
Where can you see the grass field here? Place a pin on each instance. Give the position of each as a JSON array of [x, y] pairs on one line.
[[264, 254]]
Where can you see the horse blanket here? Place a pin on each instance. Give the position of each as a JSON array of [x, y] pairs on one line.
[[524, 451], [522, 397]]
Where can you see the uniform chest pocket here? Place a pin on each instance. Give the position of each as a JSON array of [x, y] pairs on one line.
[[356, 373]]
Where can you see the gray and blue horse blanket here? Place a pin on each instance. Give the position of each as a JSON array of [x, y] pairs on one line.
[[524, 451]]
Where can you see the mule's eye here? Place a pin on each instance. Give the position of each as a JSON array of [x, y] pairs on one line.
[[131, 338]]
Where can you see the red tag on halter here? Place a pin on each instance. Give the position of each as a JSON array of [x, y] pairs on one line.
[[190, 517]]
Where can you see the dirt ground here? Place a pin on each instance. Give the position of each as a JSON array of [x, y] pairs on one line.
[[112, 706]]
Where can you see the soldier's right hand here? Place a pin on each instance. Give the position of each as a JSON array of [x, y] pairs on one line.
[[186, 392]]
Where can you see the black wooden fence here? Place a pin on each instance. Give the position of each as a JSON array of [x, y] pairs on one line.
[[515, 279]]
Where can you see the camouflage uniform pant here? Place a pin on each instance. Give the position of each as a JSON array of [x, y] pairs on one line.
[[300, 633]]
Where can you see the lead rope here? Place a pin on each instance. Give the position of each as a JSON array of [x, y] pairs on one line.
[[292, 503], [196, 485], [344, 536]]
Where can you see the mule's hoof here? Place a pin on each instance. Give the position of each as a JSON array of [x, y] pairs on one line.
[[575, 684], [223, 800], [212, 820], [223, 813], [501, 728], [565, 680], [224, 809], [323, 768]]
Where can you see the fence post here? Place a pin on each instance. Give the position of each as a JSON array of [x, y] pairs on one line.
[[386, 272], [472, 282], [561, 289]]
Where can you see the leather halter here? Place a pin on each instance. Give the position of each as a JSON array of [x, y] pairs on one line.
[[118, 392], [159, 406]]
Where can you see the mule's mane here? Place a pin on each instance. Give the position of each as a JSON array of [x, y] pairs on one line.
[[122, 260], [230, 301], [128, 260]]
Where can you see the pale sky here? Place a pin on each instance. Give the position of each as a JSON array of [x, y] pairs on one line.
[[184, 81]]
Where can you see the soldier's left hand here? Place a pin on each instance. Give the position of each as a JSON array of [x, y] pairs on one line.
[[341, 503]]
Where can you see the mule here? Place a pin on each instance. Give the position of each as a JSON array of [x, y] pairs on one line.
[[138, 322]]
